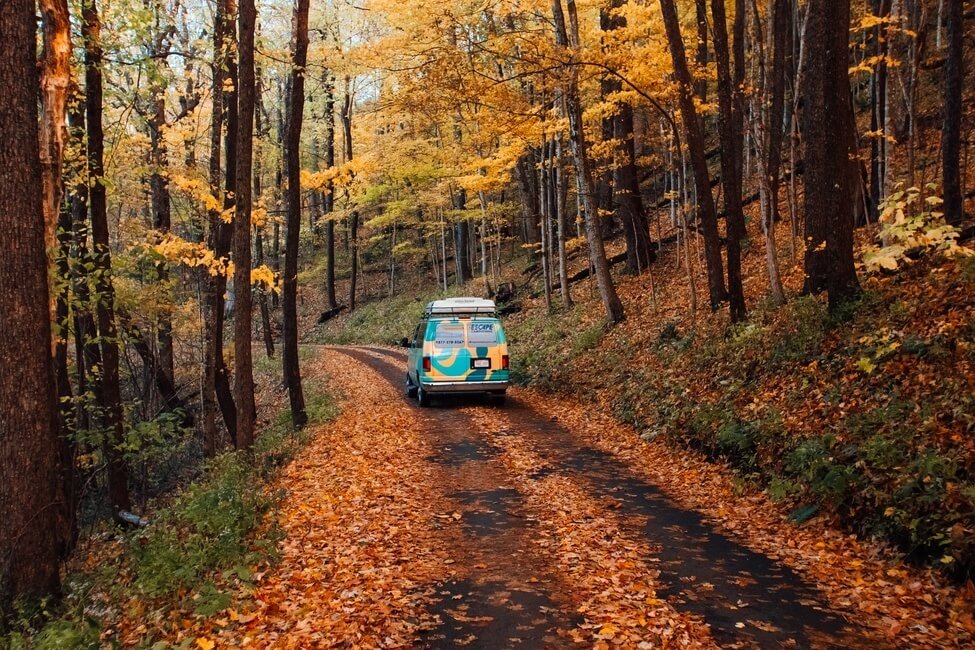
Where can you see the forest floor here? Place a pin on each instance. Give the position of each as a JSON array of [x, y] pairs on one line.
[[542, 524]]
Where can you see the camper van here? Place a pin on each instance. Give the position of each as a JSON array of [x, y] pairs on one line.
[[459, 346]]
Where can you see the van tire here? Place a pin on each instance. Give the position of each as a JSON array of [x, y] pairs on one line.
[[410, 388], [422, 398]]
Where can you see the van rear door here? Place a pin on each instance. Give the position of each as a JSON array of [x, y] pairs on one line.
[[468, 349]]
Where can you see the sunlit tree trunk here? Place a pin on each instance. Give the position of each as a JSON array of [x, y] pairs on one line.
[[289, 301], [29, 504], [54, 83]]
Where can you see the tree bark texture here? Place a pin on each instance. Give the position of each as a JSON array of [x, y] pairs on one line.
[[243, 357], [577, 138], [731, 133], [951, 133], [694, 135], [29, 506], [289, 301], [108, 388], [831, 164]]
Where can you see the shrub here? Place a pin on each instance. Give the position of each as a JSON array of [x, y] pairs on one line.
[[208, 528]]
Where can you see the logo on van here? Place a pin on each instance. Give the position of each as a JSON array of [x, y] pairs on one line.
[[482, 327]]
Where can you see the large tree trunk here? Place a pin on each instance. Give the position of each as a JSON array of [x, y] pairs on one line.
[[29, 505], [831, 164], [108, 389], [951, 133], [695, 144], [289, 302], [569, 38], [731, 133], [243, 362]]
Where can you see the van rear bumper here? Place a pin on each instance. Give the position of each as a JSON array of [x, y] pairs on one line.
[[465, 386]]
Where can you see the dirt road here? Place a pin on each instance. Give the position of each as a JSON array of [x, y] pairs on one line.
[[519, 585]]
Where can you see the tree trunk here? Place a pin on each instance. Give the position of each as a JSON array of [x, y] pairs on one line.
[[544, 178], [330, 190], [55, 82], [580, 152], [216, 381], [353, 231], [29, 506], [701, 58], [289, 302], [695, 144], [462, 239], [781, 19], [108, 389], [831, 165], [243, 363], [626, 184], [878, 117], [263, 132], [639, 250], [159, 183], [562, 192], [951, 133], [731, 133]]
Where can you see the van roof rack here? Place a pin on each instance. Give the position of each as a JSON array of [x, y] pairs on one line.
[[455, 306]]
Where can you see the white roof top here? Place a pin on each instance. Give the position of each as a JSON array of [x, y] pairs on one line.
[[461, 306]]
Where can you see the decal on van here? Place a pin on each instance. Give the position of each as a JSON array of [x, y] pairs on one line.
[[453, 344]]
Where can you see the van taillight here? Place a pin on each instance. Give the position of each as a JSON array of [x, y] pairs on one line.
[[504, 361], [426, 364]]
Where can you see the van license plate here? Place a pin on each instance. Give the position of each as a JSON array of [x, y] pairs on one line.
[[481, 363]]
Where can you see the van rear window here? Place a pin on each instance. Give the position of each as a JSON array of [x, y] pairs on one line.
[[481, 334], [449, 335]]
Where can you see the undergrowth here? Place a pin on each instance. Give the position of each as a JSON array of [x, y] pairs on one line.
[[864, 416], [197, 551]]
